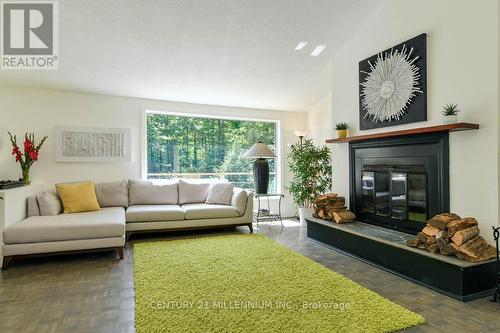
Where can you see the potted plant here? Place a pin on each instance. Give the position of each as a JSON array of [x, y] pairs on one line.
[[312, 174], [29, 156], [342, 130], [450, 112]]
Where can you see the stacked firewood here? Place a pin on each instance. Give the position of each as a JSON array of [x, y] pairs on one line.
[[332, 208], [449, 234]]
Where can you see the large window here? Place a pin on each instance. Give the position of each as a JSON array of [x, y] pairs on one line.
[[198, 147]]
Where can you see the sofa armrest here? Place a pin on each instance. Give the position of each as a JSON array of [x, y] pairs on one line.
[[249, 207], [13, 206], [240, 200]]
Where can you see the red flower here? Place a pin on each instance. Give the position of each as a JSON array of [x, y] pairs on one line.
[[15, 150], [28, 145], [33, 155]]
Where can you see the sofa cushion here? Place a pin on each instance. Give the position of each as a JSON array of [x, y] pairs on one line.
[[144, 192], [192, 192], [104, 223], [33, 209], [151, 213], [78, 197], [112, 194], [49, 204], [220, 193], [208, 211], [239, 200]]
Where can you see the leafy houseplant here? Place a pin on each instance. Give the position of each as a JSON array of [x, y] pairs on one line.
[[30, 154], [342, 130], [450, 112], [312, 174]]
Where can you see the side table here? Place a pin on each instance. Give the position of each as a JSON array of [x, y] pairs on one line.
[[265, 214]]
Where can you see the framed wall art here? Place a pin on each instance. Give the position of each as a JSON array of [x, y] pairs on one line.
[[92, 144], [392, 85]]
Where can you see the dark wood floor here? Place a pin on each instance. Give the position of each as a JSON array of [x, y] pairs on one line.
[[95, 293]]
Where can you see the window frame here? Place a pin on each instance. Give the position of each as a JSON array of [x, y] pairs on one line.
[[144, 137]]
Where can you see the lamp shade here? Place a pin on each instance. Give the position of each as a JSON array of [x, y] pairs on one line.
[[259, 150], [300, 133]]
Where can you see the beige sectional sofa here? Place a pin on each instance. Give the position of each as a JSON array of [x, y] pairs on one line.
[[126, 208]]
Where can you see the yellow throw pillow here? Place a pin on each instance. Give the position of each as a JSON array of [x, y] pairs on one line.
[[78, 197]]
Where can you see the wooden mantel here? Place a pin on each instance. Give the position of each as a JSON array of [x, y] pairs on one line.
[[413, 131]]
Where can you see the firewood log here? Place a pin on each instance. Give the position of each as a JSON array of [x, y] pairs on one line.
[[444, 246], [413, 242], [426, 239], [317, 215], [455, 246], [325, 197], [343, 216], [422, 246], [335, 204], [464, 235], [474, 247], [429, 230], [488, 254], [433, 248], [457, 225], [335, 208], [440, 221]]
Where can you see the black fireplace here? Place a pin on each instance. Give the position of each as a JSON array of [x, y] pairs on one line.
[[400, 182]]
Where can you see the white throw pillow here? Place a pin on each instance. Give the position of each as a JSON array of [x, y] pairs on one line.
[[49, 204], [192, 192], [146, 193], [220, 193]]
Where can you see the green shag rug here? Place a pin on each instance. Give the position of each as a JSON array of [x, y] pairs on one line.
[[249, 283]]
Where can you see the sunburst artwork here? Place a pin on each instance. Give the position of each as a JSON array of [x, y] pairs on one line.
[[392, 87]]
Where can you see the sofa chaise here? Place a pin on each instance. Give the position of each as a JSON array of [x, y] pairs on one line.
[[126, 207]]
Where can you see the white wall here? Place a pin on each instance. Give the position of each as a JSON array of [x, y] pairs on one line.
[[462, 67], [39, 110], [319, 120]]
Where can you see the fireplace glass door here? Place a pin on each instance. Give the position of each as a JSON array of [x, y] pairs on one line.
[[417, 197], [394, 194], [398, 196]]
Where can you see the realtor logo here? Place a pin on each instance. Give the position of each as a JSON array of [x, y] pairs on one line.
[[30, 35]]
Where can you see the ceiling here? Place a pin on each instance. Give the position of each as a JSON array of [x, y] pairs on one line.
[[220, 52]]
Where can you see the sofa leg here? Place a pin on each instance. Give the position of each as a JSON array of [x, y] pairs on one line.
[[250, 226], [6, 261], [119, 250]]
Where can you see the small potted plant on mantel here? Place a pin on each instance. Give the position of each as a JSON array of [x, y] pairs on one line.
[[450, 112], [342, 130]]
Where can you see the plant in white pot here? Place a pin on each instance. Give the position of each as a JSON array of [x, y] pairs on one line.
[[450, 112], [312, 174]]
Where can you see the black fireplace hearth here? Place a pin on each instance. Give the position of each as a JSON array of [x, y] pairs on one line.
[[400, 182]]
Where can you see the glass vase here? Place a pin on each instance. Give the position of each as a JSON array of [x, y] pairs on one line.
[[26, 176]]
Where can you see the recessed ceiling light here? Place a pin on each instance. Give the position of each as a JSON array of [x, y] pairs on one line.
[[300, 45], [317, 50]]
